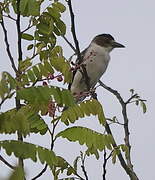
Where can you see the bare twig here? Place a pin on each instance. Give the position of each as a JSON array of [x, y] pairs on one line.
[[19, 31], [52, 145], [8, 96], [8, 46], [83, 165], [115, 122], [28, 27], [7, 163], [131, 98], [105, 163], [70, 44], [128, 167], [41, 172], [10, 17]]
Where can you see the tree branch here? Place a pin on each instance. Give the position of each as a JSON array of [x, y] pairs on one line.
[[52, 145], [85, 75], [105, 163], [19, 31], [83, 166], [127, 167], [8, 16], [41, 172], [6, 163], [8, 46], [4, 99], [18, 105]]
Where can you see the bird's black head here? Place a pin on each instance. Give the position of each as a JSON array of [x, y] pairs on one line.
[[106, 40]]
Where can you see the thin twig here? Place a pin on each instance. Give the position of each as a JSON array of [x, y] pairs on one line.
[[8, 16], [28, 27], [115, 122], [127, 167], [6, 163], [70, 44], [52, 145], [8, 96], [131, 98], [83, 166], [105, 163], [8, 46], [41, 173]]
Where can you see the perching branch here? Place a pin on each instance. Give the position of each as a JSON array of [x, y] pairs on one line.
[[6, 163], [85, 75], [8, 46], [128, 167], [73, 31], [19, 31]]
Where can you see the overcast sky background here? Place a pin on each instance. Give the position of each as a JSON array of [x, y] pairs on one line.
[[132, 24]]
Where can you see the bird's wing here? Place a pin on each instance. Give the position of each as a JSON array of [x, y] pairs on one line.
[[76, 62]]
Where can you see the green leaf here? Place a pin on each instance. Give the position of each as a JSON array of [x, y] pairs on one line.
[[75, 162], [62, 165], [34, 7], [86, 108], [26, 150], [54, 12], [125, 149], [115, 153], [37, 72], [24, 65], [40, 96], [43, 28], [31, 75], [25, 120], [60, 6], [18, 173], [48, 67], [26, 36], [61, 26], [143, 105], [13, 121], [29, 47], [23, 6], [87, 136], [61, 65]]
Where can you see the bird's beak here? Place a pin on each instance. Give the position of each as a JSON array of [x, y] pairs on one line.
[[117, 45]]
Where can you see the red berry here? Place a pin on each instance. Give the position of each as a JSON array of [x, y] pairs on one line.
[[59, 78], [45, 83], [72, 69], [51, 76]]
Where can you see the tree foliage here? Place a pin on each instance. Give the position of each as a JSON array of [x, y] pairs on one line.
[[31, 87]]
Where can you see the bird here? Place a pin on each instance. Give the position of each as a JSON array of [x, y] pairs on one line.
[[95, 58]]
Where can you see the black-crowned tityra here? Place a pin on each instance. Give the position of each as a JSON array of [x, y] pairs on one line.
[[95, 59]]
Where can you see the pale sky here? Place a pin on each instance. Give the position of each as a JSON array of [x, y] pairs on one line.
[[132, 24]]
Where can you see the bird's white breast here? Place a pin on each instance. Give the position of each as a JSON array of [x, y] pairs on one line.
[[96, 60]]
